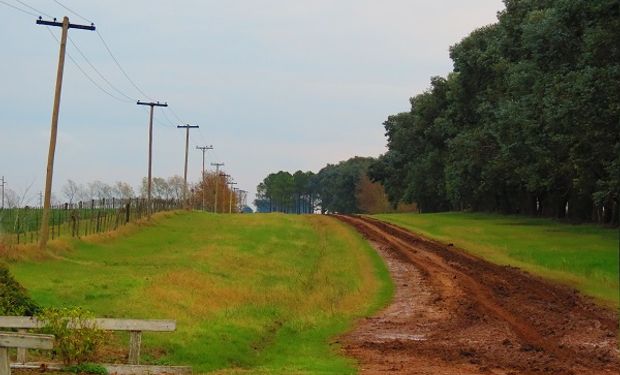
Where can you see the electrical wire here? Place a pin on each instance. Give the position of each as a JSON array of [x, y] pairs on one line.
[[71, 11], [167, 118], [129, 99], [126, 98], [33, 8], [175, 114], [119, 65], [84, 72], [19, 9]]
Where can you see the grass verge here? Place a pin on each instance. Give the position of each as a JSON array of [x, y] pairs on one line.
[[583, 256], [250, 293]]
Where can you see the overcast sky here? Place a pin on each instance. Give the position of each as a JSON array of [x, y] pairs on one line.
[[273, 84]]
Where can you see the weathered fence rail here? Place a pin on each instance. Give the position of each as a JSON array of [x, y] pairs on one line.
[[20, 341], [21, 225], [135, 327]]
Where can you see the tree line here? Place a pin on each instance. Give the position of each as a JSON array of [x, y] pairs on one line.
[[528, 122], [343, 187]]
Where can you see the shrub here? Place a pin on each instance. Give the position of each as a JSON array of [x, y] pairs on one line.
[[77, 337], [86, 368], [14, 299]]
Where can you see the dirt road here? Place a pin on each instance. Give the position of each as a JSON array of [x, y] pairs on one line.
[[454, 313]]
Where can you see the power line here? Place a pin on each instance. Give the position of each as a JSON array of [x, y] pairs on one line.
[[129, 99], [71, 11], [33, 8], [86, 74], [175, 115], [19, 9], [167, 118], [120, 67]]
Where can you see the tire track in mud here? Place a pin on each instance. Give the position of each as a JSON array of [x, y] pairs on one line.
[[454, 313]]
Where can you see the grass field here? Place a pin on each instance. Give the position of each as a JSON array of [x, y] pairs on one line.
[[250, 293], [584, 256]]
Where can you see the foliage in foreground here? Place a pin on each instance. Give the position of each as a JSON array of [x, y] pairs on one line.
[[86, 368], [14, 299], [77, 338]]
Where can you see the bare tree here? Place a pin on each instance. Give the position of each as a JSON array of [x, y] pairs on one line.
[[123, 190], [176, 185], [70, 190], [100, 190]]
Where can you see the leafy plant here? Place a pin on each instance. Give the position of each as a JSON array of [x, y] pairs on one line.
[[86, 368], [14, 299], [77, 337]]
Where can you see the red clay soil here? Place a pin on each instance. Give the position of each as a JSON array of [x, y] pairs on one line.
[[454, 313]]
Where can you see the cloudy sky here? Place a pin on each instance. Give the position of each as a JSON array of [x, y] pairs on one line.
[[273, 84]]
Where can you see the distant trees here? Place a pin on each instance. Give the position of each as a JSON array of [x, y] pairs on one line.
[[528, 122], [343, 187], [72, 192], [285, 192], [163, 188], [203, 194]]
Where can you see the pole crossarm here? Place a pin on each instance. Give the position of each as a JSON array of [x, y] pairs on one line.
[[152, 104], [90, 27]]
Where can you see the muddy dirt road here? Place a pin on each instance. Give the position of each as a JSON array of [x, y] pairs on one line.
[[457, 314]]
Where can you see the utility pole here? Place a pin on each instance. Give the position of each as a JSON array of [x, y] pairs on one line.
[[55, 112], [149, 178], [217, 180], [242, 195], [186, 127], [230, 198], [3, 183], [204, 184]]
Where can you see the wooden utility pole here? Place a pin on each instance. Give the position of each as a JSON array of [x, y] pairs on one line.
[[217, 180], [242, 196], [150, 177], [204, 184], [186, 127], [230, 198], [55, 112], [3, 183]]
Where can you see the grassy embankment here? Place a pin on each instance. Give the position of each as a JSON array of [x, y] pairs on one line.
[[250, 293], [583, 256]]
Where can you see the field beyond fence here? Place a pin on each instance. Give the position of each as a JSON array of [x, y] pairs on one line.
[[21, 225]]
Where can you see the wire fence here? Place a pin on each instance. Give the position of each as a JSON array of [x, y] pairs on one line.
[[21, 225]]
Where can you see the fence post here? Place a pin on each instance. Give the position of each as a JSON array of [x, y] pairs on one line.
[[17, 221], [127, 212]]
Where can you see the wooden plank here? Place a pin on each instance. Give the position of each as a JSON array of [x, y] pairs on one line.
[[5, 368], [21, 352], [135, 339], [20, 340], [118, 369], [151, 325], [147, 370], [26, 322]]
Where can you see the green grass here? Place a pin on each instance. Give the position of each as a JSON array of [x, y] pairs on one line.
[[250, 293], [583, 256]]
